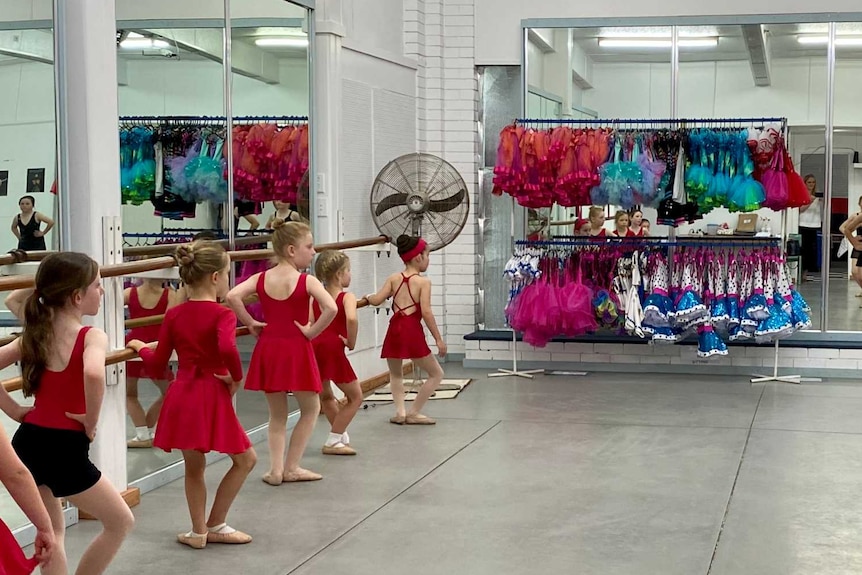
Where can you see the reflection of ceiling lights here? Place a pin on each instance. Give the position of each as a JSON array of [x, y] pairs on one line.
[[285, 42], [846, 41], [648, 32], [640, 43], [137, 42]]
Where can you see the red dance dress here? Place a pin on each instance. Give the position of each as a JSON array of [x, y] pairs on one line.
[[332, 361], [405, 338], [146, 334], [12, 558], [198, 413], [283, 358]]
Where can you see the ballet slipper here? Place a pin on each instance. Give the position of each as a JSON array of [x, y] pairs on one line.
[[271, 479], [419, 420], [139, 443], [338, 449], [235, 538], [397, 419], [194, 540], [301, 475]]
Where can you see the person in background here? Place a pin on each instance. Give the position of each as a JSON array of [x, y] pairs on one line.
[[27, 226], [856, 272], [645, 226], [597, 222], [582, 227], [636, 223], [810, 222], [621, 225]]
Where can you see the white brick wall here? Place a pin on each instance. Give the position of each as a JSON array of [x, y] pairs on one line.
[[440, 35]]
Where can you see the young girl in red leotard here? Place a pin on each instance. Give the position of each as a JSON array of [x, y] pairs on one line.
[[405, 338], [151, 298], [283, 359], [63, 367], [198, 415], [333, 269]]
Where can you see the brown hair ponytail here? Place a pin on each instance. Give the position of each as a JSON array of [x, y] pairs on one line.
[[59, 276]]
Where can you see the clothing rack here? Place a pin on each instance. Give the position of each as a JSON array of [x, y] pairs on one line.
[[653, 242], [206, 120], [687, 122]]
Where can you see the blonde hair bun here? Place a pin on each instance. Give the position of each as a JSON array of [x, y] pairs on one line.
[[277, 223], [185, 255]]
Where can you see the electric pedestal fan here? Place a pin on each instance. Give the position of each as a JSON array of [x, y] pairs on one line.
[[420, 195]]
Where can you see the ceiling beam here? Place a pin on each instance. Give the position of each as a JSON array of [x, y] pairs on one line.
[[34, 45], [757, 43], [246, 60]]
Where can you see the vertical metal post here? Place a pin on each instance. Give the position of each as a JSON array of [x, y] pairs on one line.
[[825, 224], [64, 216], [313, 131], [480, 206], [228, 115]]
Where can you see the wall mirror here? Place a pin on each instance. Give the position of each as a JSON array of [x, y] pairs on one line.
[[27, 114]]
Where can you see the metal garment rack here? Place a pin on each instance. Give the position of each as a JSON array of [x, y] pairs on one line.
[[671, 241], [206, 120]]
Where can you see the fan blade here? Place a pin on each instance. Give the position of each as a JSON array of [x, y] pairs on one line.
[[448, 204], [390, 202]]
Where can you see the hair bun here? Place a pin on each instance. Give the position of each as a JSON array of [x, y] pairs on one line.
[[277, 223], [185, 255], [403, 242]]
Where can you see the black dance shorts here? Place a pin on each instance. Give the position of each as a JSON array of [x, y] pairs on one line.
[[57, 458]]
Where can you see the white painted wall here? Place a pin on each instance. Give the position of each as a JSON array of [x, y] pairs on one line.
[[498, 21]]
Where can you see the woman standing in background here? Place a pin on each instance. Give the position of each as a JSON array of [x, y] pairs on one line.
[[810, 222]]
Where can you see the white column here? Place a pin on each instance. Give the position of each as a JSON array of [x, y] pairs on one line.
[[90, 177], [326, 92]]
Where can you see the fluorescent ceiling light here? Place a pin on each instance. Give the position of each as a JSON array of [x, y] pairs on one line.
[[640, 43], [642, 33], [142, 44], [287, 42], [823, 40]]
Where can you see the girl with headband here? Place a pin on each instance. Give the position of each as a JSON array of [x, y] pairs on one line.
[[405, 338]]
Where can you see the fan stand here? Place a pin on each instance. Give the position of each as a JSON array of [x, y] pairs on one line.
[[527, 374]]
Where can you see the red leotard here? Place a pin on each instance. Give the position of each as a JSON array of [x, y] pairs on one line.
[[12, 558], [405, 337], [146, 334], [283, 358], [629, 234], [329, 348], [61, 392], [198, 413]]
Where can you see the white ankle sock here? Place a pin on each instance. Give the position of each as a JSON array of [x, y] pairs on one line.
[[152, 431], [333, 439], [193, 534], [345, 439], [142, 433], [223, 529]]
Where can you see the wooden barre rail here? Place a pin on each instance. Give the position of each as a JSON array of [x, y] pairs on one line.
[[128, 268], [14, 383]]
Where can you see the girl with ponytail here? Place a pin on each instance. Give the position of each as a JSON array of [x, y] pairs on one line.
[[63, 367]]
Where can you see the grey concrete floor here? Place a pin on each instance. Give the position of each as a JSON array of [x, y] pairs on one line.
[[604, 474]]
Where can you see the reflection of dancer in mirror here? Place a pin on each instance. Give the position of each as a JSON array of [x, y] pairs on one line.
[[247, 211], [597, 221], [27, 226], [405, 338], [63, 366], [854, 224], [636, 223], [284, 211], [645, 227], [151, 298], [621, 225], [198, 415], [283, 359], [333, 269]]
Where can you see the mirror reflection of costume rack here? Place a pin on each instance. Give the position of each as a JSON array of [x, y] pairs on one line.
[[682, 167]]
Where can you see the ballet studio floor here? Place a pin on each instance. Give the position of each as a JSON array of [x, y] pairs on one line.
[[604, 474]]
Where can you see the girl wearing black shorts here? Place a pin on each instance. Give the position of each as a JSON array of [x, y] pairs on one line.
[[63, 367]]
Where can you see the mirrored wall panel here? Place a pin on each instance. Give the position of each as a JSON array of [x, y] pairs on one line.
[[28, 204], [845, 277], [173, 133]]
